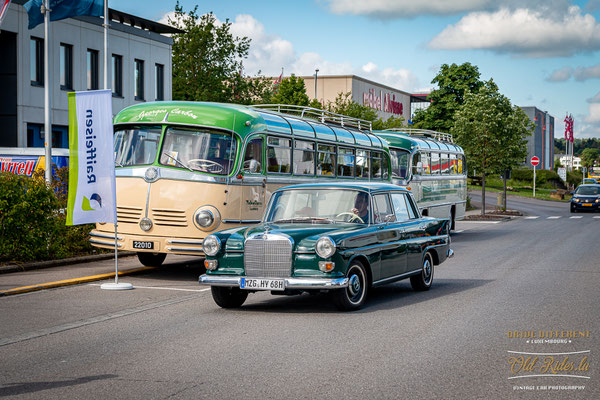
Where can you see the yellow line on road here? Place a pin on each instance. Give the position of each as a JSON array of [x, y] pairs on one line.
[[74, 281]]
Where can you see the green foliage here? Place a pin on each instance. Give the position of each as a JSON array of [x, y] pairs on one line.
[[453, 83], [32, 220], [291, 91], [579, 145], [207, 59], [314, 103], [542, 177], [589, 157]]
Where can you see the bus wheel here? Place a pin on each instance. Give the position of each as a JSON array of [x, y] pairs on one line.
[[151, 259], [424, 280], [228, 297]]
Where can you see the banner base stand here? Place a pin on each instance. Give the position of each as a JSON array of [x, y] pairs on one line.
[[116, 286]]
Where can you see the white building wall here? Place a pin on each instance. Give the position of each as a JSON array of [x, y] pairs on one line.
[[82, 36]]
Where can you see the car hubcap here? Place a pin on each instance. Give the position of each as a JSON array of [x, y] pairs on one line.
[[354, 286], [427, 270]]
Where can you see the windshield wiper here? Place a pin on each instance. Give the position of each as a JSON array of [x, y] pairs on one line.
[[177, 161], [118, 164]]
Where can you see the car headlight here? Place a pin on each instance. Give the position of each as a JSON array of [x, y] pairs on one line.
[[204, 218], [576, 200], [597, 201], [325, 247], [211, 245]]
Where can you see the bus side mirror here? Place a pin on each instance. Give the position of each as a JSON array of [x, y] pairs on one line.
[[251, 166], [420, 167]]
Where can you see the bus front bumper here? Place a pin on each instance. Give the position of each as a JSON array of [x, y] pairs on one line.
[[152, 244], [289, 283]]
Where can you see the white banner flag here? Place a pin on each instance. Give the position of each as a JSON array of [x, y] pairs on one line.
[[92, 193]]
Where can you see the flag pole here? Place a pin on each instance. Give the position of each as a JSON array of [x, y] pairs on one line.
[[116, 285], [47, 125]]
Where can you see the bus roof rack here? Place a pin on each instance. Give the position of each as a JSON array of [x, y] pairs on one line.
[[441, 136], [320, 115]]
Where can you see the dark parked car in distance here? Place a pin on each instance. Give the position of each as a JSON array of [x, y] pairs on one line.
[[340, 238], [586, 197]]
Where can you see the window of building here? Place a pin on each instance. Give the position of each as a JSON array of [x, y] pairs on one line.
[[117, 75], [304, 158], [36, 61], [160, 82], [139, 79], [92, 69], [66, 66]]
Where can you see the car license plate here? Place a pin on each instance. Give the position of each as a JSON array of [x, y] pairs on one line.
[[143, 245], [262, 284], [587, 204]]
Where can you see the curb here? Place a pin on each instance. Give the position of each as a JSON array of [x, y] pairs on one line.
[[57, 263], [74, 281]]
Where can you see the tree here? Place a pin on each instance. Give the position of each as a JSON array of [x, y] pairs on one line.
[[589, 157], [453, 82], [291, 91], [207, 59], [491, 131]]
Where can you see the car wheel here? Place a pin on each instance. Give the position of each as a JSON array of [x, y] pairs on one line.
[[353, 297], [228, 297], [151, 259], [573, 209], [424, 280]]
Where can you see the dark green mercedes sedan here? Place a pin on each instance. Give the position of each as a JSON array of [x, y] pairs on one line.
[[342, 238]]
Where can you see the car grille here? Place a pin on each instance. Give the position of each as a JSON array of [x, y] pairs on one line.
[[268, 256]]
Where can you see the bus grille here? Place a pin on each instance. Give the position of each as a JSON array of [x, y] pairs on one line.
[[168, 217], [268, 256], [130, 215]]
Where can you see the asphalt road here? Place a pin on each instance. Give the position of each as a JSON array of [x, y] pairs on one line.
[[167, 339]]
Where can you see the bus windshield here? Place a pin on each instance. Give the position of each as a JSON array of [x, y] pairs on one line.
[[399, 163], [202, 151], [136, 146]]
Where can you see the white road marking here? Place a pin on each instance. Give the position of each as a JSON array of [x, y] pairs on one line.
[[533, 217], [597, 217], [554, 217], [462, 230], [161, 288], [577, 217], [481, 222]]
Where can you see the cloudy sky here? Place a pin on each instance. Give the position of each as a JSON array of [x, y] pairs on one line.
[[542, 53]]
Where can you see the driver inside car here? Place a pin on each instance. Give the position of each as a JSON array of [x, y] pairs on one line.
[[361, 206]]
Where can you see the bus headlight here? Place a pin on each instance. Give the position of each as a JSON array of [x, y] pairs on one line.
[[325, 247], [211, 245], [207, 218], [204, 218], [146, 224]]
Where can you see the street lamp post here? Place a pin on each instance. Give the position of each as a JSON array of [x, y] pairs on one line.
[[316, 72]]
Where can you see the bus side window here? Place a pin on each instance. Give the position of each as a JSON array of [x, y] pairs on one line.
[[279, 155], [253, 156]]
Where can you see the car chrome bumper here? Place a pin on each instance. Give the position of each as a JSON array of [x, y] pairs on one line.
[[290, 283], [450, 253]]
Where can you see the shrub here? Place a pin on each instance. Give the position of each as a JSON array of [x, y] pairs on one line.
[[32, 220]]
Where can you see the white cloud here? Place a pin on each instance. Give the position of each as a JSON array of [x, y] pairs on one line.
[[524, 32], [585, 73], [595, 99], [561, 75], [594, 114], [387, 9]]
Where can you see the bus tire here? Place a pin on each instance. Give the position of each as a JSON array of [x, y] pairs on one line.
[[424, 280], [151, 259], [228, 297]]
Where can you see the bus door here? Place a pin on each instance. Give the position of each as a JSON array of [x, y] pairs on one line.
[[254, 182]]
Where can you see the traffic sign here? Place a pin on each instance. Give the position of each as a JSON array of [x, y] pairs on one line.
[[535, 161]]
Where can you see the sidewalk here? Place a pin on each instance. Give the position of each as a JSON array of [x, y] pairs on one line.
[[16, 279]]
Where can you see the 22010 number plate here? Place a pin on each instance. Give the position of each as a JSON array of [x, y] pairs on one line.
[[262, 284], [143, 245]]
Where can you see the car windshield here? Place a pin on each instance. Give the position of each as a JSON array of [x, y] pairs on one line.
[[319, 206], [201, 151], [587, 190]]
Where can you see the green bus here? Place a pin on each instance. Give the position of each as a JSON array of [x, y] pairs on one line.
[[432, 167], [188, 169]]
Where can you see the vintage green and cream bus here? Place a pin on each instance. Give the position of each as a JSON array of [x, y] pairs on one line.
[[432, 167], [188, 169]]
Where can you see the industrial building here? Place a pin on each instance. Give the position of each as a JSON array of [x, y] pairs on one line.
[[541, 142]]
